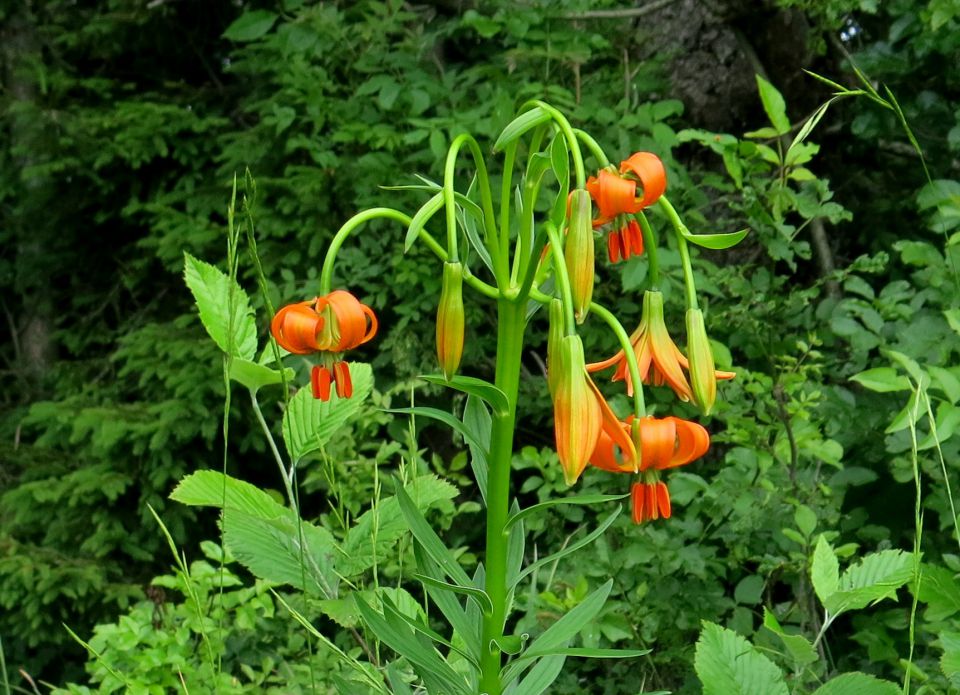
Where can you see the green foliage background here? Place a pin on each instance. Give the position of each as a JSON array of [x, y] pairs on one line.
[[123, 124]]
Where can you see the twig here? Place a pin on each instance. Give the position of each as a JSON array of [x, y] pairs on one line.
[[824, 256], [620, 14]]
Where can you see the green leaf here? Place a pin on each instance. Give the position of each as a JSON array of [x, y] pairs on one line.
[[717, 241], [876, 577], [801, 649], [375, 532], [478, 595], [950, 661], [774, 105], [882, 380], [206, 489], [430, 541], [250, 25], [271, 549], [555, 638], [541, 676], [573, 547], [806, 520], [397, 684], [255, 376], [577, 499], [940, 590], [727, 664], [212, 292], [449, 604], [309, 423], [857, 683], [474, 387], [825, 570], [520, 125], [419, 221], [478, 422], [762, 134], [441, 415]]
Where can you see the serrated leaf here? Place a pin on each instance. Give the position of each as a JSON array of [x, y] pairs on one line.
[[309, 423], [857, 683], [474, 387], [774, 105], [255, 376], [824, 570], [876, 577], [940, 590], [520, 125], [376, 531], [250, 25], [801, 649], [727, 664], [213, 488], [882, 380], [212, 290]]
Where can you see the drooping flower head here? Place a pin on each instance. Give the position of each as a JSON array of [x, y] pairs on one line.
[[658, 357], [617, 199], [663, 443], [580, 413], [330, 325]]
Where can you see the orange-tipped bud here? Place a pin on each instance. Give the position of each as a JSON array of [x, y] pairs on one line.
[[554, 338], [703, 379], [450, 320], [577, 415], [579, 254]]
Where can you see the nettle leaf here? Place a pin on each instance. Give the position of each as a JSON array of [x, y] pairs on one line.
[[882, 380], [857, 683], [214, 489], [255, 376], [377, 530], [250, 25], [774, 105], [825, 570], [801, 649], [940, 590], [874, 578], [309, 423], [727, 664], [211, 290]]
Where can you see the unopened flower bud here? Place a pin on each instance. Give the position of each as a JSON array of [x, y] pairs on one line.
[[578, 251], [577, 416], [703, 380], [450, 321], [554, 337]]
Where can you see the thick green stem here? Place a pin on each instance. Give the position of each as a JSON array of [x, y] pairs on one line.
[[510, 327]]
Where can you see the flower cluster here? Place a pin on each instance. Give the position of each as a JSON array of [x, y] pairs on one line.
[[330, 325], [587, 431]]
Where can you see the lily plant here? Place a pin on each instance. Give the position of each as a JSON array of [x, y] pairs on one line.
[[524, 259]]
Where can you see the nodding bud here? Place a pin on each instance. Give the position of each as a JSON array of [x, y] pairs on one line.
[[578, 251], [450, 321], [703, 380], [554, 337], [577, 415]]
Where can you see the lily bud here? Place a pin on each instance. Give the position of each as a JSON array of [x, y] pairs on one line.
[[577, 415], [703, 380], [450, 321], [554, 337], [578, 251]]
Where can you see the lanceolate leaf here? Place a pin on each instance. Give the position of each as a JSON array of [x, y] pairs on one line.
[[478, 595], [419, 221], [309, 423], [774, 105], [824, 570], [431, 542], [578, 499], [444, 417], [474, 387], [717, 241], [520, 125], [213, 292], [541, 676], [572, 548], [478, 422]]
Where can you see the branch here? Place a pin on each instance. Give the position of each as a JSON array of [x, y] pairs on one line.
[[620, 14]]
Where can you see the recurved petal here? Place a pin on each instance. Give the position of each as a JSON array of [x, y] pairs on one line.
[[693, 441], [295, 328]]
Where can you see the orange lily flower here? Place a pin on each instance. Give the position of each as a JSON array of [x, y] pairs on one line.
[[581, 415], [616, 197], [658, 357], [331, 325], [664, 443]]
